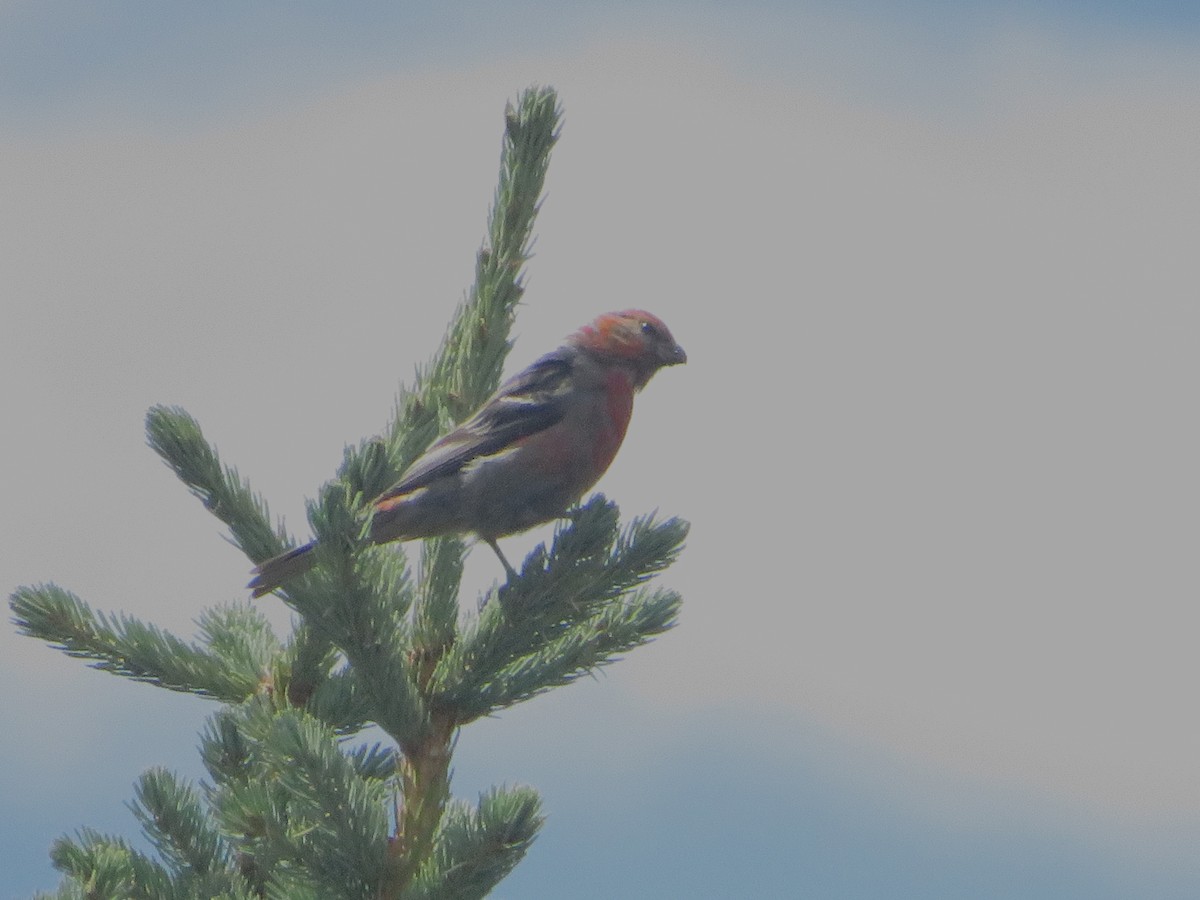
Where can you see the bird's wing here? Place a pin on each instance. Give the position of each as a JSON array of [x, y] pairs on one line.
[[529, 402]]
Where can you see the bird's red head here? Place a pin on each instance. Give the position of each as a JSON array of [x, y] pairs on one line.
[[633, 337]]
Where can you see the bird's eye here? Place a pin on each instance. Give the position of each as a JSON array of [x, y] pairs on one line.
[[650, 330]]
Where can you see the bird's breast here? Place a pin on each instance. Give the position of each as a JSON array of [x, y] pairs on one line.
[[618, 407]]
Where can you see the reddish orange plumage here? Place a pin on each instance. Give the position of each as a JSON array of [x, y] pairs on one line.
[[618, 409]]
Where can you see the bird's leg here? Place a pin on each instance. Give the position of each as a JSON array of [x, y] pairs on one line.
[[511, 572]]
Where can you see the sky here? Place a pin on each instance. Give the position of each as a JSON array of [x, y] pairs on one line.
[[934, 269]]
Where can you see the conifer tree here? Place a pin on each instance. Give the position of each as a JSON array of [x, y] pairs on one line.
[[294, 807]]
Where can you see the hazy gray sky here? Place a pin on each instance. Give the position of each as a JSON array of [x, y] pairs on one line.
[[937, 283]]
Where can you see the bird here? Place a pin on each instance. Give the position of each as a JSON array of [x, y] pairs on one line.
[[528, 454]]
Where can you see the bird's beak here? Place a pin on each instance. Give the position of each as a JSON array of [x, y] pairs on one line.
[[673, 356]]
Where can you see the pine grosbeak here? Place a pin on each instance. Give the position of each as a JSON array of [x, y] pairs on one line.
[[545, 437]]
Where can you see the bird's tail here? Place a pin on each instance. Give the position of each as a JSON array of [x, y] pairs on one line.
[[278, 569]]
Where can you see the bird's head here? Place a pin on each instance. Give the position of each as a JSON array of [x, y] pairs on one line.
[[631, 337]]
